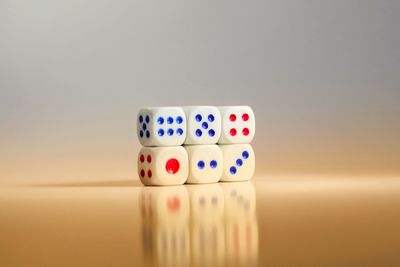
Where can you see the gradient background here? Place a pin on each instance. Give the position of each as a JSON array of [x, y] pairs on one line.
[[323, 78]]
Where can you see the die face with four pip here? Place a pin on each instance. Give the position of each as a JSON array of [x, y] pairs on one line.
[[205, 164], [203, 125], [163, 165], [164, 126], [239, 162], [238, 125]]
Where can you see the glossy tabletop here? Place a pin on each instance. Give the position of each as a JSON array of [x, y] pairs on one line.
[[269, 221]]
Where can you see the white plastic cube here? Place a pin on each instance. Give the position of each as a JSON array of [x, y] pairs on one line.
[[163, 165], [239, 162], [161, 126], [205, 164], [238, 125], [203, 125]]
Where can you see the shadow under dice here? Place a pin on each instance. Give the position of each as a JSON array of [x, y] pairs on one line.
[[164, 126], [203, 125], [163, 165], [238, 125], [239, 162], [205, 164]]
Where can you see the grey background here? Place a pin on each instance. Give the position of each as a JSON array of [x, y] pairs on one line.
[[322, 77]]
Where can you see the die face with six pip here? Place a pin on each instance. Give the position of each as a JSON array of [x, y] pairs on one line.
[[205, 164], [239, 162], [164, 126], [203, 125], [238, 125], [163, 165]]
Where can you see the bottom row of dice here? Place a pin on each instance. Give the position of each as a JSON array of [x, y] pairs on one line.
[[195, 164]]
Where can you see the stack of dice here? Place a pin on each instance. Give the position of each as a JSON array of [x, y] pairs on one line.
[[180, 144]]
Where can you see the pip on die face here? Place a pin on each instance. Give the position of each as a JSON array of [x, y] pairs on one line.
[[203, 125], [205, 164], [163, 165], [164, 126], [238, 125], [239, 162]]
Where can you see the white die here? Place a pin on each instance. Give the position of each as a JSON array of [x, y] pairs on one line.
[[163, 165], [203, 125], [205, 164], [239, 162], [238, 125], [161, 126]]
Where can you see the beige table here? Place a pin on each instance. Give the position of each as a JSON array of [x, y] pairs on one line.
[[270, 221]]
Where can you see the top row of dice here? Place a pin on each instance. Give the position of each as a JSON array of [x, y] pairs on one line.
[[197, 125]]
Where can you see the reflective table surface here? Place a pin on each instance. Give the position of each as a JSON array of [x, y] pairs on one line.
[[268, 221]]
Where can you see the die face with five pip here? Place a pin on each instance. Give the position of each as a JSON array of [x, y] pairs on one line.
[[205, 164], [163, 165], [238, 125], [164, 126], [203, 125], [239, 162]]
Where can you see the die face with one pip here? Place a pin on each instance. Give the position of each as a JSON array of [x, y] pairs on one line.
[[163, 165], [203, 125], [239, 162], [164, 126], [205, 164], [238, 125]]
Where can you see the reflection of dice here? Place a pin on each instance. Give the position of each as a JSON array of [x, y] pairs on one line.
[[238, 125], [163, 165], [173, 245], [205, 164], [206, 202], [167, 238], [169, 204], [208, 243], [203, 125], [239, 162], [207, 230], [240, 199], [241, 229], [164, 126], [241, 239]]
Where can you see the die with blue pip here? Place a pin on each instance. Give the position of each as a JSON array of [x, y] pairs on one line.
[[215, 144]]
